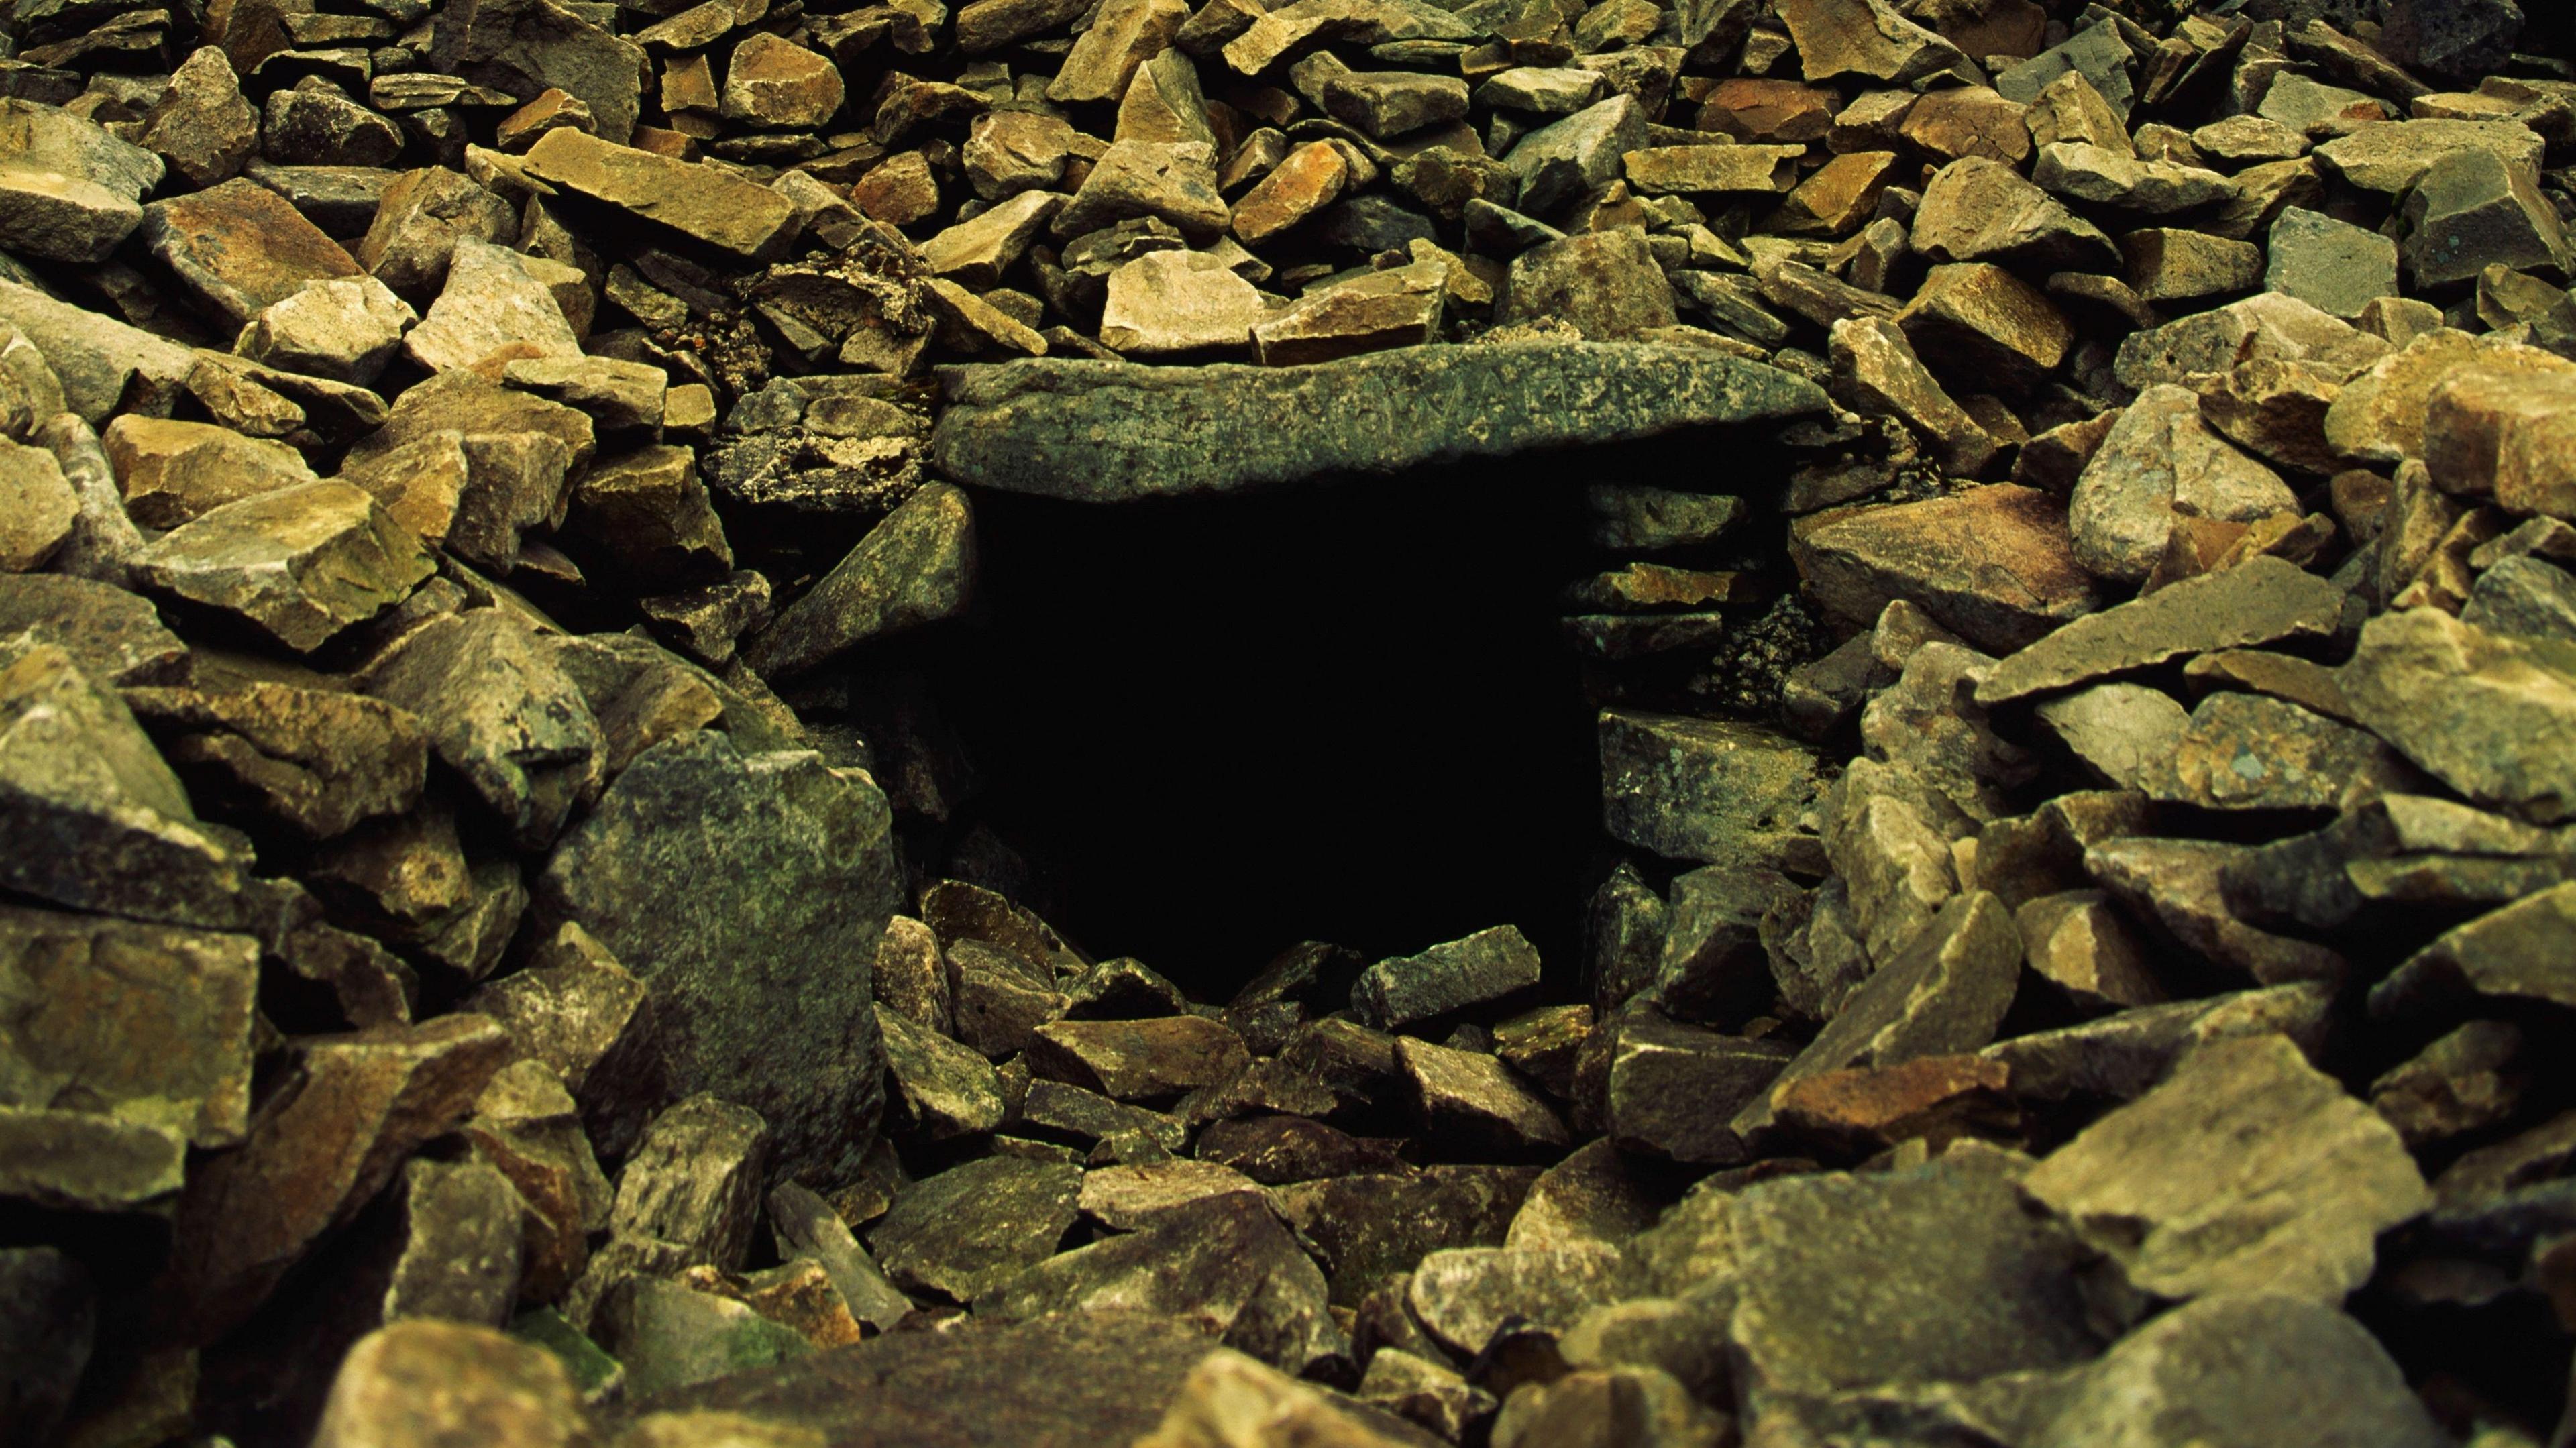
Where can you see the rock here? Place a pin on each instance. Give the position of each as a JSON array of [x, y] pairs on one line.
[[2187, 1187], [2393, 158], [916, 568], [806, 1226], [1983, 210], [1386, 309], [1932, 1274], [1581, 153], [2159, 463], [1180, 301], [650, 514], [1703, 789], [2171, 264], [342, 330], [202, 127], [778, 84], [1669, 1089], [1356, 22], [1386, 104], [2507, 955], [1137, 1060], [79, 1161], [999, 999], [1424, 1392], [301, 563], [111, 635], [2099, 176], [2482, 712], [1995, 563], [1174, 181], [945, 1089], [174, 473], [746, 221], [976, 1226], [2472, 210], [1663, 170], [2178, 884], [1181, 430], [95, 358], [501, 713], [1233, 1399], [491, 303], [1306, 181], [1473, 1101], [71, 189], [1978, 320], [2464, 1082], [1463, 1296], [1593, 1197], [1105, 58], [1639, 517], [976, 252], [694, 1181], [307, 125], [355, 1106], [1129, 1197], [240, 248], [805, 850], [2465, 40], [1226, 1260], [2267, 326], [2184, 1379], [2261, 601], [431, 1384], [1605, 284], [526, 47], [420, 219], [38, 509], [1875, 369], [2496, 427], [2332, 265], [669, 1336], [2524, 596], [1485, 967], [1942, 994], [1866, 38], [315, 760]]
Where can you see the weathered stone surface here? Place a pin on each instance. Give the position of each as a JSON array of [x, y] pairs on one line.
[[113, 636], [975, 1227], [1605, 284], [1567, 158], [944, 1089], [2473, 209], [173, 473], [1703, 789], [2512, 954], [526, 47], [804, 851], [2247, 1171], [202, 127], [2332, 265], [1670, 1089], [2099, 176], [491, 301], [344, 330], [743, 220], [432, 1384], [915, 568], [2392, 158], [1994, 563], [1935, 1274], [2486, 713], [301, 563], [2266, 326], [1181, 302], [418, 222], [1109, 431], [68, 189], [501, 713], [2499, 427], [241, 248], [1462, 1296], [38, 508], [2160, 463], [315, 760], [1475, 1102], [95, 357], [1174, 181], [776, 83], [1940, 995], [1137, 1060], [1868, 38], [1481, 968], [1232, 1398], [2262, 601], [1983, 210]]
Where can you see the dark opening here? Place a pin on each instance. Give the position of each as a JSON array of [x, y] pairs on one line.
[[1342, 712]]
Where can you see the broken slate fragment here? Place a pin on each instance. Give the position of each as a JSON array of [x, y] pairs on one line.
[[1472, 1102], [2492, 715], [976, 1226], [2265, 600], [1137, 1060], [1704, 789], [1481, 968], [301, 564]]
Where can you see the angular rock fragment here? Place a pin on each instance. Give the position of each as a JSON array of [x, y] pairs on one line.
[[749, 222], [1705, 790], [2485, 713], [1994, 563], [430, 1382], [976, 1226], [69, 191], [241, 248], [2263, 601], [1475, 1102], [1487, 966], [490, 302]]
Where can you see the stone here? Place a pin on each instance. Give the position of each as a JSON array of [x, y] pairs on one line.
[[1488, 966], [1583, 152], [1663, 170], [976, 1226], [317, 1151], [2524, 596], [2483, 712], [2248, 751], [1640, 517], [1701, 789], [317, 761], [916, 568], [2172, 264], [2394, 157], [2193, 1174], [301, 563], [1593, 1197], [2179, 885], [1876, 371], [1373, 313], [2466, 1081], [492, 302], [1475, 1102], [1137, 1060], [1669, 1089], [94, 359], [1230, 1398], [1105, 58], [1387, 104], [1840, 197], [420, 219], [345, 331], [976, 252], [2501, 431], [1974, 319], [776, 83], [501, 713], [1931, 1274], [2473, 210], [38, 509], [307, 125], [739, 218], [80, 1161], [1994, 563], [1978, 209], [1464, 1296], [526, 47], [2124, 732], [110, 635], [2162, 463], [999, 998], [1180, 302], [1869, 38], [71, 189], [2332, 265], [1180, 430], [669, 1336], [1174, 181], [1129, 1197], [2185, 1379], [173, 473], [1942, 994], [807, 1226], [1358, 22], [1542, 90], [1605, 284], [2262, 601], [1306, 181], [1424, 1392], [240, 248], [2505, 955], [202, 127], [424, 1383]]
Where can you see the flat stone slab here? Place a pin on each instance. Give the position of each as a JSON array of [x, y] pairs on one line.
[[1108, 432]]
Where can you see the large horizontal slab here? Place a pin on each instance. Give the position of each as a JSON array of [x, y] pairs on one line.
[[1115, 431]]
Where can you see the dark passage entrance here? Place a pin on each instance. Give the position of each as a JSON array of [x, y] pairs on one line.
[[1342, 712]]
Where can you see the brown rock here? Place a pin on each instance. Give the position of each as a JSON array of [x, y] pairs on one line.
[[1310, 179], [1977, 321], [2506, 435], [240, 248], [1838, 198], [1992, 563], [432, 1384], [1876, 372], [1104, 59], [775, 83], [1137, 1060], [1982, 210]]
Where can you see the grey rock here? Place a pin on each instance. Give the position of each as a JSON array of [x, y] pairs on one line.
[[96, 357], [1463, 1295], [301, 564], [1933, 1274], [315, 760], [1227, 1261], [2331, 265], [48, 1327], [69, 191], [2473, 209], [945, 1089], [1565, 159], [39, 511], [525, 47], [806, 1226], [2488, 714], [1377, 1224], [915, 568], [1485, 967], [2262, 601], [2100, 176], [500, 712], [2159, 463], [1145, 431], [976, 1226], [2266, 326], [2120, 1056], [490, 300], [2248, 1170], [1472, 1102], [1979, 209], [669, 1336], [202, 127], [2179, 884], [112, 636], [345, 330], [2251, 751], [1605, 284], [2524, 596], [694, 1181], [719, 879], [1671, 1089], [1174, 181], [1704, 789], [1944, 993], [312, 126], [2467, 39], [485, 1382], [2512, 954]]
